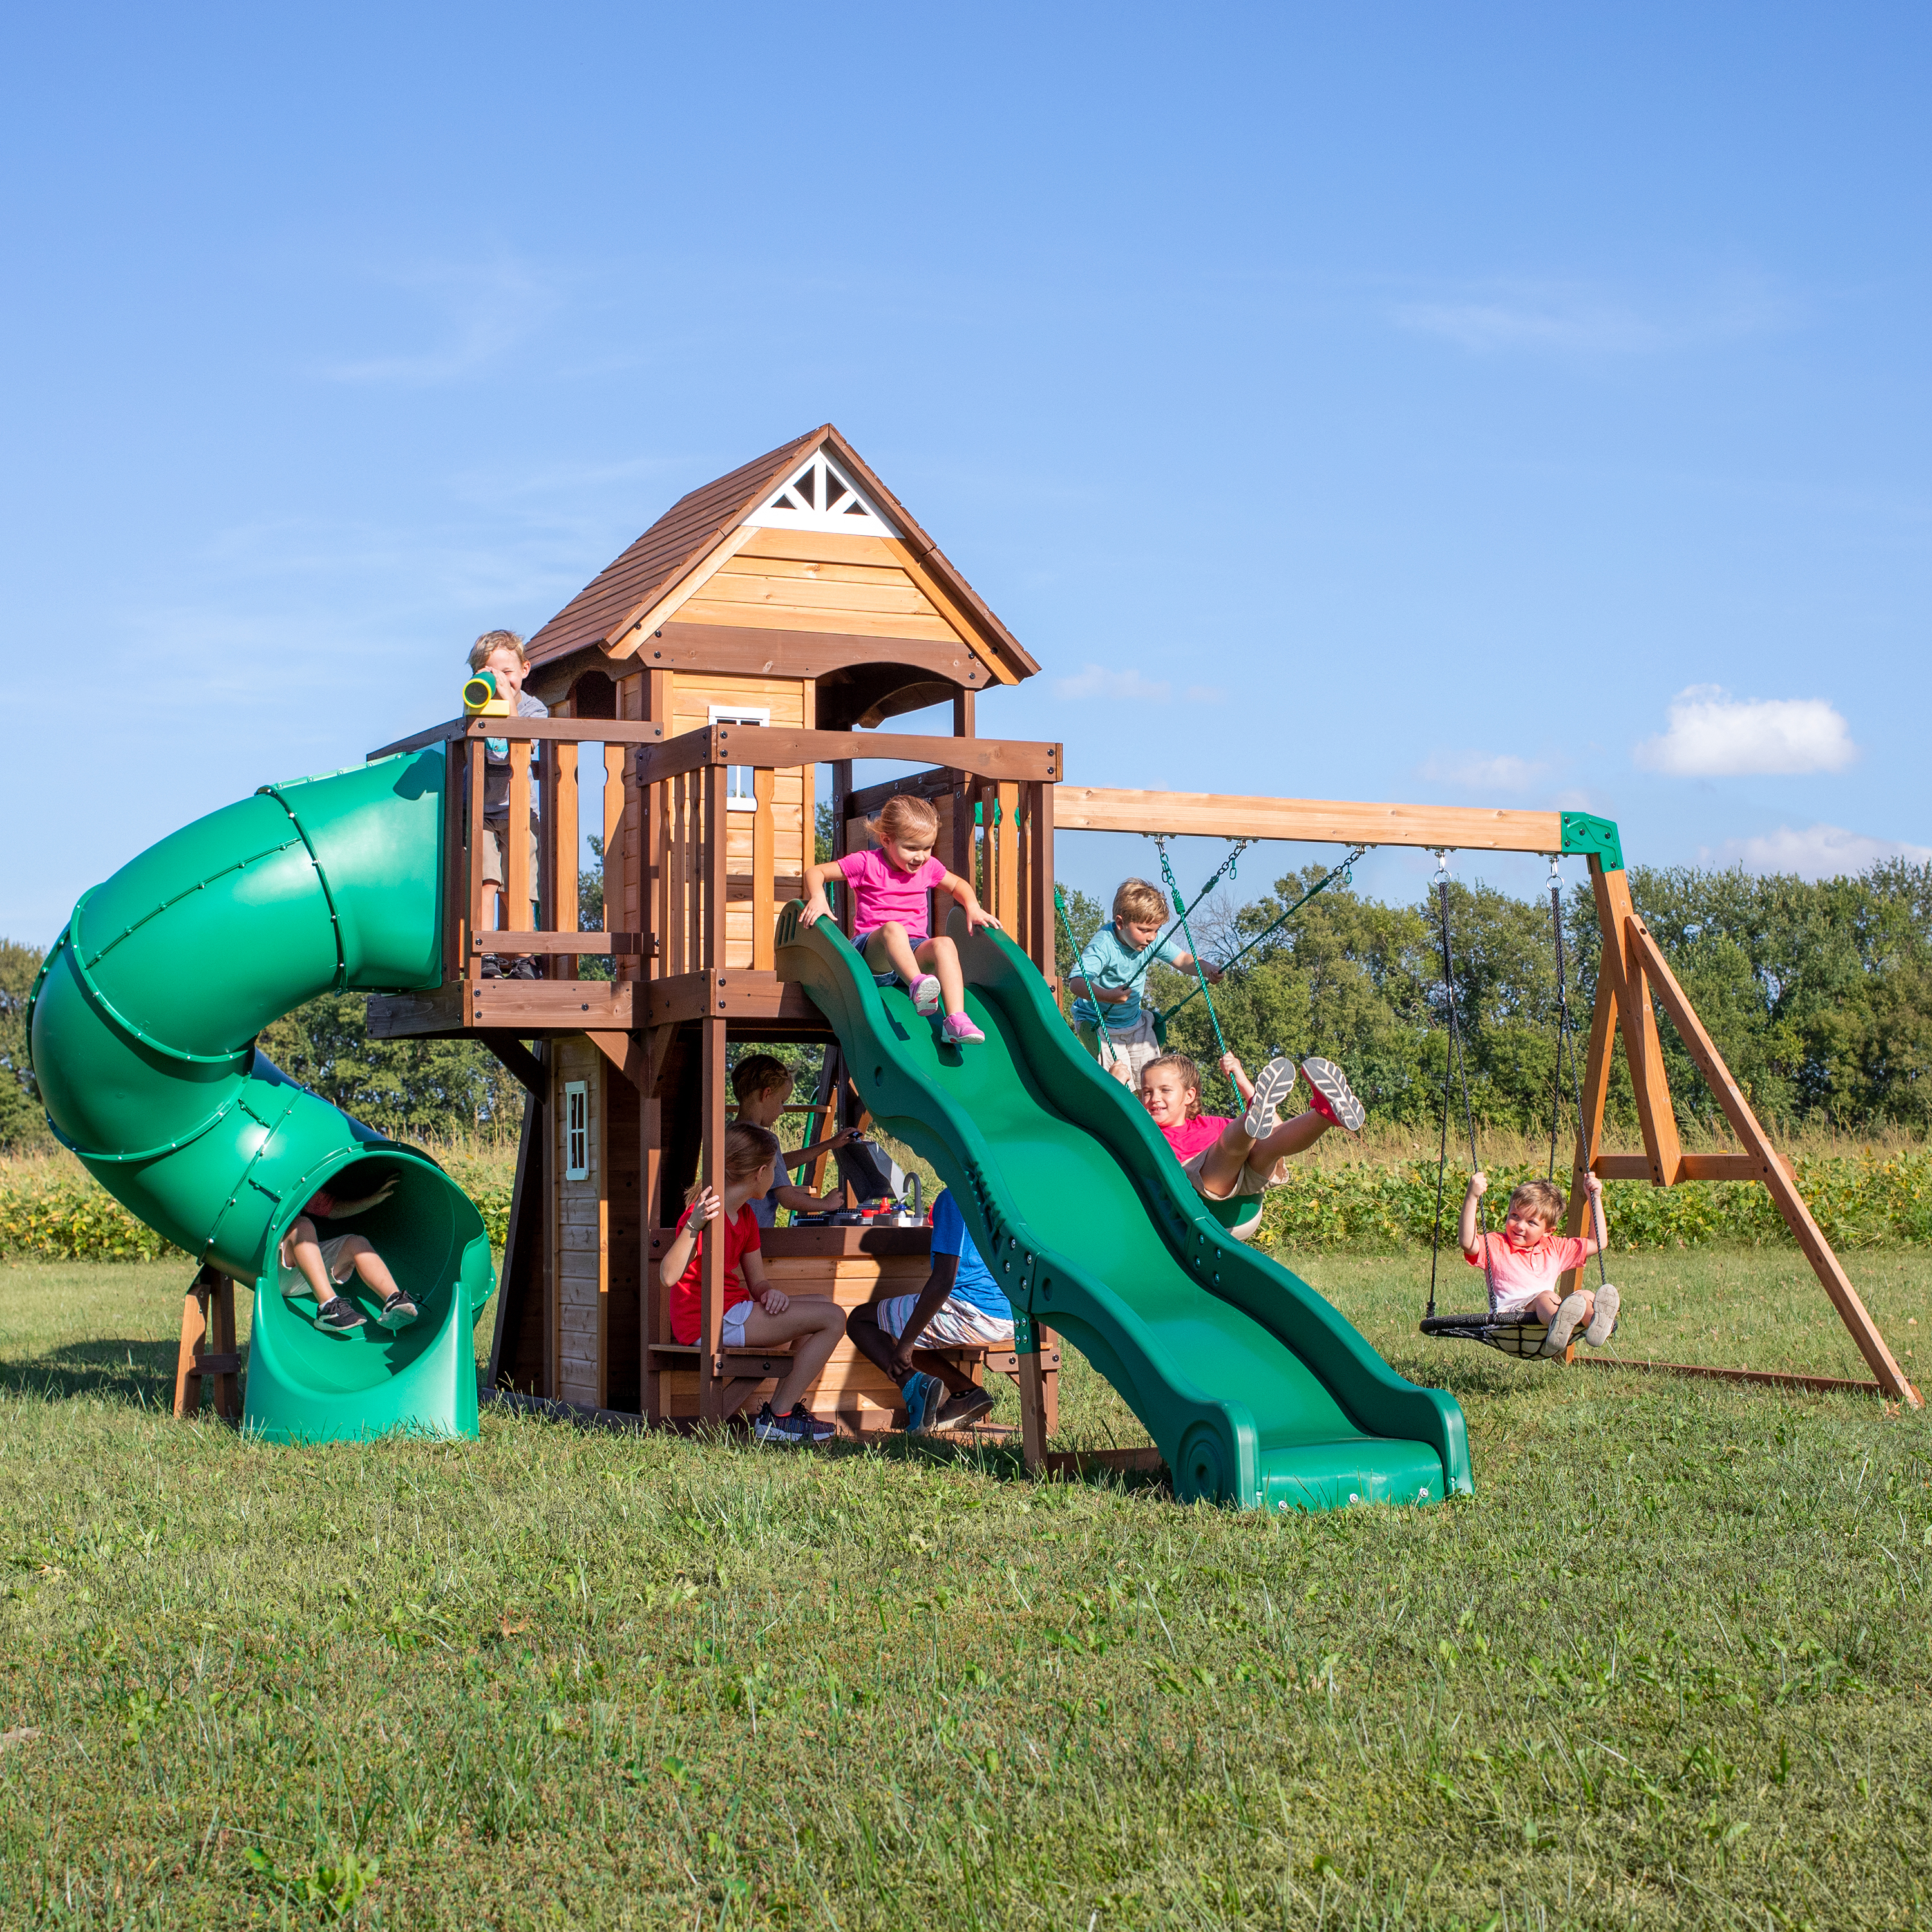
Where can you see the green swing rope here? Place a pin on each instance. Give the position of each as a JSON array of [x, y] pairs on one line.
[[1200, 965], [1345, 871], [1226, 869], [1073, 950]]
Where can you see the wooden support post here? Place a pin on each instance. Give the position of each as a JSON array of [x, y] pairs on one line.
[[764, 866], [1039, 1402], [208, 1347], [962, 714], [710, 1389], [1040, 917], [1642, 1050], [1003, 834], [1752, 1137], [519, 888], [514, 1285], [842, 791], [560, 806], [473, 810]]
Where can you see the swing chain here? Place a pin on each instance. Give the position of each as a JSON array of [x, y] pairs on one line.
[[1200, 965]]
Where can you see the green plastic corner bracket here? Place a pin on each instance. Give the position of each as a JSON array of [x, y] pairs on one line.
[[1597, 837]]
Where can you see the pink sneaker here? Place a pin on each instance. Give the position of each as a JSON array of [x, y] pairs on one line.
[[925, 991], [961, 1032]]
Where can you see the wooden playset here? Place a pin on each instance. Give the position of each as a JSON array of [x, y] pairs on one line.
[[769, 623]]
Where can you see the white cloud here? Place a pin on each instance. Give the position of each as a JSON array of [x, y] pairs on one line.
[[1482, 771], [1568, 319], [1095, 680], [1710, 734], [1206, 694], [1817, 852]]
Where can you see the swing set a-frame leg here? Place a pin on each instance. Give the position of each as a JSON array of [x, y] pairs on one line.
[[1631, 967]]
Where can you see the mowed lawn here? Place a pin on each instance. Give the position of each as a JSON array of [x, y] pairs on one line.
[[1669, 1665]]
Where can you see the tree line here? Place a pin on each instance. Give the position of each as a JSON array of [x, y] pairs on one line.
[[1818, 995]]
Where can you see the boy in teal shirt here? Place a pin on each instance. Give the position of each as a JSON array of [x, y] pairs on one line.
[[1107, 978]]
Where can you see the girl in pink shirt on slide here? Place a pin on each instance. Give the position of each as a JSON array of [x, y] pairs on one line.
[[889, 922], [1524, 1260]]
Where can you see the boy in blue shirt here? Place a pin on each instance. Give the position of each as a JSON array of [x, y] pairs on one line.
[[1107, 978], [960, 1302]]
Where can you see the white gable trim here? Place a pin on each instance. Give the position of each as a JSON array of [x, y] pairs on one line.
[[819, 496]]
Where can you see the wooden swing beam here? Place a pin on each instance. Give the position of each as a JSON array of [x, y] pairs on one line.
[[1632, 973]]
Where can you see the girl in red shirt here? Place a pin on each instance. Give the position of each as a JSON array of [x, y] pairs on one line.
[[1228, 1160], [757, 1315]]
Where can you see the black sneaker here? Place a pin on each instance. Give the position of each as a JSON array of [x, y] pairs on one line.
[[524, 969], [1330, 1094], [814, 1430], [493, 967], [398, 1312], [966, 1407], [339, 1316], [783, 1429]]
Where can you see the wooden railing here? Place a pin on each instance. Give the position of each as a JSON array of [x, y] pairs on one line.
[[678, 857], [996, 801]]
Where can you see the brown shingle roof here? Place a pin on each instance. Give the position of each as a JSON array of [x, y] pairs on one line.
[[606, 607]]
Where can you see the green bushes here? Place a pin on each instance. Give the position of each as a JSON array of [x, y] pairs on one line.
[[1860, 1201], [51, 1211]]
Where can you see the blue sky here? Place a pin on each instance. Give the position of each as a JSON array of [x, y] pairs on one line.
[[1512, 405]]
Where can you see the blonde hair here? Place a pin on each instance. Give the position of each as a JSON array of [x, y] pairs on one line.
[[1190, 1073], [748, 1151], [758, 1073], [907, 820], [496, 641], [1544, 1198], [1141, 903]]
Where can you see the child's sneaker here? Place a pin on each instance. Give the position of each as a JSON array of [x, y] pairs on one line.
[[966, 1407], [338, 1316], [1275, 1083], [960, 1031], [1564, 1326], [1603, 1323], [398, 1312], [767, 1427], [1330, 1094], [923, 1394], [810, 1428], [925, 991]]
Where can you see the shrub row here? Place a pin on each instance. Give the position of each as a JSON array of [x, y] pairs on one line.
[[1868, 1201]]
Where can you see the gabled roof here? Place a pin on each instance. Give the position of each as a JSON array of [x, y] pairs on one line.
[[681, 540]]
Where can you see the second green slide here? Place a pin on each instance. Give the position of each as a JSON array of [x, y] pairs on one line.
[[1257, 1393]]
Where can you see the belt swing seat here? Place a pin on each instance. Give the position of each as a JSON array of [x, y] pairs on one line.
[[1525, 1340]]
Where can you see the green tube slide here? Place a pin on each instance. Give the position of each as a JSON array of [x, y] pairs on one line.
[[1256, 1391], [143, 1026]]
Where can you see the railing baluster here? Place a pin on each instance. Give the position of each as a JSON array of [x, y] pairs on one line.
[[560, 804], [764, 866], [472, 964]]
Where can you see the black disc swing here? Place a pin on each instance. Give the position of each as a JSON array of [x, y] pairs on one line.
[[1521, 1339]]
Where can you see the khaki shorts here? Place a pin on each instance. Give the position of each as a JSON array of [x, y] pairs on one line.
[[1136, 1045], [493, 873], [295, 1282], [1251, 1182]]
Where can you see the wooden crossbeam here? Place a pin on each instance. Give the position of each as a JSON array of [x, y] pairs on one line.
[[1327, 821]]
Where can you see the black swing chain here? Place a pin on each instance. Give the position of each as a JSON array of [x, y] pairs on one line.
[[1566, 1037], [1457, 1061]]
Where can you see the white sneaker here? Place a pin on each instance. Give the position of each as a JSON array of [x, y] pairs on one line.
[[1264, 1115], [1603, 1323], [1564, 1326]]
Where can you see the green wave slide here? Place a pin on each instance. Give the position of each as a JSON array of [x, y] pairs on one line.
[[1255, 1390], [143, 1025]]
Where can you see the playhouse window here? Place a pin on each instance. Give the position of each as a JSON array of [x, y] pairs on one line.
[[576, 1131], [740, 793]]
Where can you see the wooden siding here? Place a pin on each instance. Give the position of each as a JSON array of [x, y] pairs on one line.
[[581, 1231], [852, 586]]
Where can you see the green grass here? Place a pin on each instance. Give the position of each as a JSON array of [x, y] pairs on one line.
[[1670, 1665]]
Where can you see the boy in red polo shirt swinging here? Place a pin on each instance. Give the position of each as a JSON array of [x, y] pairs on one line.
[[1523, 1262]]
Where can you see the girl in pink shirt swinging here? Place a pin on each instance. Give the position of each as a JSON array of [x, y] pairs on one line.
[[1524, 1260], [890, 922]]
